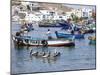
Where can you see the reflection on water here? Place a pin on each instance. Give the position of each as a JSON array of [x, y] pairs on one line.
[[38, 49], [82, 56]]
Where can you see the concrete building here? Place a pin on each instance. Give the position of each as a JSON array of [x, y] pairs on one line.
[[39, 11], [86, 12], [82, 12]]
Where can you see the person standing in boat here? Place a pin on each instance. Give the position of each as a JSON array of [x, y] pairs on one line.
[[49, 34], [72, 32]]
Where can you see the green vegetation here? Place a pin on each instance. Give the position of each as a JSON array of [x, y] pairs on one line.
[[74, 18]]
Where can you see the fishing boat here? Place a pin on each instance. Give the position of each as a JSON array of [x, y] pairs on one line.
[[91, 28], [88, 30], [27, 27], [30, 41], [50, 25], [65, 35], [92, 40]]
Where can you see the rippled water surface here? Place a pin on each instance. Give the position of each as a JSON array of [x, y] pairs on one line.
[[82, 56]]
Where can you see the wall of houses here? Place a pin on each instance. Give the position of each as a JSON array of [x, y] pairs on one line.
[[86, 12], [48, 14]]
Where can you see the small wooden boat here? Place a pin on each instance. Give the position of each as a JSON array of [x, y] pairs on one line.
[[89, 31], [65, 35], [90, 28], [29, 41]]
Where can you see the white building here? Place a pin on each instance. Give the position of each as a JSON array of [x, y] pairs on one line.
[[78, 12], [32, 17], [68, 14], [15, 10], [82, 12], [86, 12], [38, 14]]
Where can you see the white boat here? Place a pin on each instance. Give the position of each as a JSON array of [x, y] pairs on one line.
[[29, 41]]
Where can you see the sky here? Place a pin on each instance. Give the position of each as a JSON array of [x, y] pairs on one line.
[[80, 6], [77, 6]]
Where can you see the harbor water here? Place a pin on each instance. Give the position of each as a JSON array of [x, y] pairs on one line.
[[80, 57]]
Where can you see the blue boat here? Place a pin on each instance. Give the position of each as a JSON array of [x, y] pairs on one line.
[[65, 26], [65, 35]]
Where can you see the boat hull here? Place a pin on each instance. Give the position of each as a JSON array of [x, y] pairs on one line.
[[63, 35], [53, 43]]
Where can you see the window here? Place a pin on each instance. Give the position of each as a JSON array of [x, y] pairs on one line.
[[52, 13], [60, 16], [28, 7], [43, 16], [90, 11]]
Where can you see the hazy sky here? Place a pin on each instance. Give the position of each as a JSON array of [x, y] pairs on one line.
[[76, 6], [80, 6]]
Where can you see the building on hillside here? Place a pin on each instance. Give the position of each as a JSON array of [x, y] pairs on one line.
[[39, 11], [82, 12], [86, 12]]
